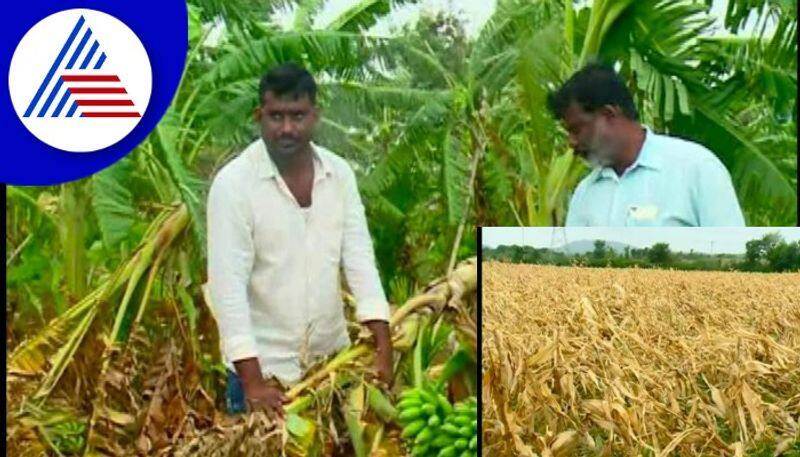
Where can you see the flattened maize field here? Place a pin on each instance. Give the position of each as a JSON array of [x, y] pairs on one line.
[[591, 361]]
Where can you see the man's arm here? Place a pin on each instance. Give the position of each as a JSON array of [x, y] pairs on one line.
[[358, 259], [715, 198], [383, 349], [230, 262]]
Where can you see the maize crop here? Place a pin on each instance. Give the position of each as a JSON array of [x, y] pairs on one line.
[[598, 361]]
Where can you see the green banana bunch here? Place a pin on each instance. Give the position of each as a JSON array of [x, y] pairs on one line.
[[432, 427], [461, 427]]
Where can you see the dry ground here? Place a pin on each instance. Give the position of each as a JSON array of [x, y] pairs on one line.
[[583, 361]]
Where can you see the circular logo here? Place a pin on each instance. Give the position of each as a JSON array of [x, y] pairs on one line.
[[80, 80]]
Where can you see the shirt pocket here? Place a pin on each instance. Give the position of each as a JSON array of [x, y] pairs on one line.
[[329, 228], [330, 240], [274, 228], [643, 215], [652, 216]]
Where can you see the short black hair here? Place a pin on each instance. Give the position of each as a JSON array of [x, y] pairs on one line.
[[593, 87], [288, 79]]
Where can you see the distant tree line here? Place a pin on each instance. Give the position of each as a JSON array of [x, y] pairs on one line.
[[771, 253]]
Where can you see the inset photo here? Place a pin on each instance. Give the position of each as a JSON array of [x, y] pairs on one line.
[[640, 341], [639, 113]]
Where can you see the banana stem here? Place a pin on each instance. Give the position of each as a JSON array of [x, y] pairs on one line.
[[339, 361]]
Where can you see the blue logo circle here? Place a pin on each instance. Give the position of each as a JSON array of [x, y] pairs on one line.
[[83, 95]]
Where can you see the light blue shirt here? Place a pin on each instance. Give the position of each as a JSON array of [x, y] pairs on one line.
[[673, 182]]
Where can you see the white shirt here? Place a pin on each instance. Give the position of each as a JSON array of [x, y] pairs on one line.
[[273, 271], [673, 182]]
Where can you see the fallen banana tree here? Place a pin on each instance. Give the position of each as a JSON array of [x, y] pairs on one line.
[[37, 365], [422, 327], [100, 380]]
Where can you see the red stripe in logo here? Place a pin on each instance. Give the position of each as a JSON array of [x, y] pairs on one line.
[[104, 102], [111, 114], [98, 90], [69, 78]]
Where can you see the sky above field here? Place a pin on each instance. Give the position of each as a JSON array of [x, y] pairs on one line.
[[474, 13], [725, 240]]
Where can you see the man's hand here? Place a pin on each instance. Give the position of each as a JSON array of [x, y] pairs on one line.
[[258, 393], [383, 350], [269, 399]]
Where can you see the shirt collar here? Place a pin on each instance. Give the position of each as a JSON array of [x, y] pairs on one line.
[[647, 158], [266, 168]]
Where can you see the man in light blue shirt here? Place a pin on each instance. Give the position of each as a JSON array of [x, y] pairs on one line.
[[640, 178]]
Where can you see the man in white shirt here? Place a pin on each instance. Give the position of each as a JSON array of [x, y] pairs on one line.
[[282, 216], [640, 178]]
